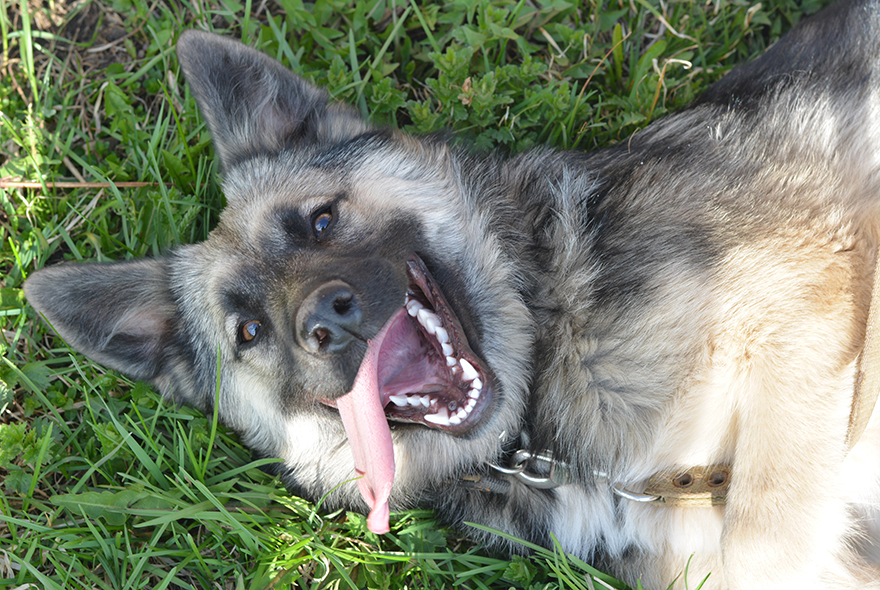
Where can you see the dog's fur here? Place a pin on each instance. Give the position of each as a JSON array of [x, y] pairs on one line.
[[696, 295]]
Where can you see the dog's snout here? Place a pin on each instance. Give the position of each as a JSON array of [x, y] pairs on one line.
[[329, 318]]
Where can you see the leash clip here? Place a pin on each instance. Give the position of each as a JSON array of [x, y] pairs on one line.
[[559, 472]]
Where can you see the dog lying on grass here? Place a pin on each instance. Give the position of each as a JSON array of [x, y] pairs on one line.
[[649, 352]]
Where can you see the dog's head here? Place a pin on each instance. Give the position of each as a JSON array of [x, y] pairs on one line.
[[353, 296]]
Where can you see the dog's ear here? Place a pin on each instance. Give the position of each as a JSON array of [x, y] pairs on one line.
[[252, 104], [120, 314]]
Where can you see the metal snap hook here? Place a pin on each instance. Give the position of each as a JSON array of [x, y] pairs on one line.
[[559, 472]]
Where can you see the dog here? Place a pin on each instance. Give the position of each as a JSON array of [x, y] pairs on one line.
[[648, 353]]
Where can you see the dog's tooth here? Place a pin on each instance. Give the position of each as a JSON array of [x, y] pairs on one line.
[[398, 400], [441, 418], [413, 307], [441, 335], [433, 324], [447, 348], [429, 320], [470, 405], [451, 362], [467, 370], [455, 420], [476, 384], [461, 414], [413, 400], [474, 394], [425, 400]]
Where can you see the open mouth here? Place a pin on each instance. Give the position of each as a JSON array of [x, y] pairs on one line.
[[419, 369], [426, 370]]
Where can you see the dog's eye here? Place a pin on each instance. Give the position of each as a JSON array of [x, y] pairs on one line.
[[249, 330], [322, 220]]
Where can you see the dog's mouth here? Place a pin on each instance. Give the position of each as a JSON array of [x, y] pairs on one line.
[[420, 369], [426, 370]]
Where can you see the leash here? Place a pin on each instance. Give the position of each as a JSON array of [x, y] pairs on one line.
[[698, 486]]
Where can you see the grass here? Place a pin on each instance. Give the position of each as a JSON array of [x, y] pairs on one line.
[[103, 155]]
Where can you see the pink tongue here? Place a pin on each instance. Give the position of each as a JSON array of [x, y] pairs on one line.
[[370, 438]]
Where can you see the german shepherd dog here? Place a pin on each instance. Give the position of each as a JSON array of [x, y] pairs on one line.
[[547, 344]]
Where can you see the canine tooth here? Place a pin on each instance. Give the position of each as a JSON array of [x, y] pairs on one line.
[[451, 362], [470, 405], [441, 335], [425, 400], [468, 371], [413, 400], [474, 394], [413, 307], [447, 348], [441, 418], [455, 420], [429, 320], [476, 384], [461, 414], [398, 400]]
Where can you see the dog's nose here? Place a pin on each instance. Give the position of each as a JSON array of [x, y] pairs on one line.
[[329, 318]]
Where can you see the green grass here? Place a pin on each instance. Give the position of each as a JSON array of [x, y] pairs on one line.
[[103, 486]]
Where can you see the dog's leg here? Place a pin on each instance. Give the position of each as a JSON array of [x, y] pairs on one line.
[[786, 519]]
